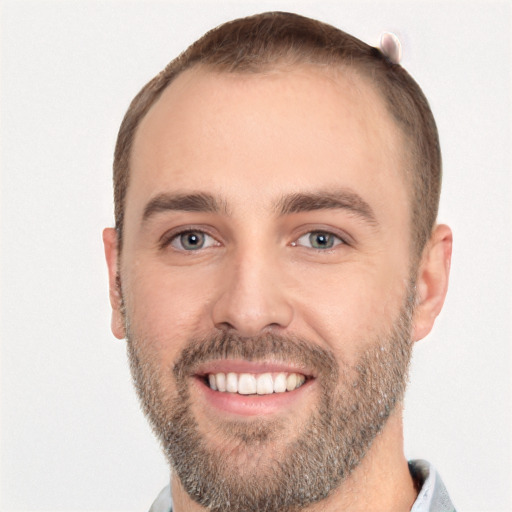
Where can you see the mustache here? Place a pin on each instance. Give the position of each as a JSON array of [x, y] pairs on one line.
[[264, 347]]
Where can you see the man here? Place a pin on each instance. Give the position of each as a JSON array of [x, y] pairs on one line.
[[274, 258]]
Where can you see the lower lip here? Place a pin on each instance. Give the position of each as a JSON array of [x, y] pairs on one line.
[[252, 405]]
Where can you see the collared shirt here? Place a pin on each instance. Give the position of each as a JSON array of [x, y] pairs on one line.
[[432, 497]]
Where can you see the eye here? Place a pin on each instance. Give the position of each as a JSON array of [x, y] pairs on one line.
[[192, 240], [319, 240]]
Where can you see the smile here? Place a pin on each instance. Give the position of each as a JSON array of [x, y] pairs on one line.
[[255, 384], [243, 388]]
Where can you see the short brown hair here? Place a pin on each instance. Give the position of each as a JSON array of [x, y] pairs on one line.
[[263, 41]]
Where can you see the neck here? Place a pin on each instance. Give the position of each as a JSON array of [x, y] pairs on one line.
[[380, 483]]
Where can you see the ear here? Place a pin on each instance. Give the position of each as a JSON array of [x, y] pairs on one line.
[[432, 280], [111, 254]]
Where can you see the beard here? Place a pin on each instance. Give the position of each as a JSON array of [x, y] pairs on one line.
[[259, 464]]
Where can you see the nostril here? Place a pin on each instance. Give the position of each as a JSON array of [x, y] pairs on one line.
[[225, 326]]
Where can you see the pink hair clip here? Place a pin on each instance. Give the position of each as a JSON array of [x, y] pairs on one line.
[[391, 47]]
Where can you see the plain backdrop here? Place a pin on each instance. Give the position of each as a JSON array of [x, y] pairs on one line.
[[72, 434]]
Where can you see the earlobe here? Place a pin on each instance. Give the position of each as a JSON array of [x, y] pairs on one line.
[[432, 280], [110, 244]]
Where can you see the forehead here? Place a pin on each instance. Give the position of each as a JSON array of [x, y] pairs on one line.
[[249, 136]]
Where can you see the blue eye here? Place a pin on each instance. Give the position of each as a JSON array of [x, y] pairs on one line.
[[192, 241], [319, 240]]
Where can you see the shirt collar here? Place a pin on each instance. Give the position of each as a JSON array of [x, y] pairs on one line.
[[433, 496]]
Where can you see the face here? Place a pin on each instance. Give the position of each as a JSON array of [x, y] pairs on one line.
[[265, 275]]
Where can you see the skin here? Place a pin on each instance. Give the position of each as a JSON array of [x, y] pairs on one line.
[[250, 141]]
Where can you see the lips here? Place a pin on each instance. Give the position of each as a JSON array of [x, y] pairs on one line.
[[238, 377], [248, 389], [268, 374]]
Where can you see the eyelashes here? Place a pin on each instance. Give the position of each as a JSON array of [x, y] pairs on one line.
[[320, 240], [192, 240]]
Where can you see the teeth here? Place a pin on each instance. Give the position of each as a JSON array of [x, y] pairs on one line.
[[291, 382], [251, 384], [231, 382], [247, 384], [265, 384], [280, 383], [220, 380]]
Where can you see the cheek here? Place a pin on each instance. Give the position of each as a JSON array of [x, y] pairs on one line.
[[166, 309], [350, 308]]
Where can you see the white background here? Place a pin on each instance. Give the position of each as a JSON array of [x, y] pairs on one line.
[[72, 435]]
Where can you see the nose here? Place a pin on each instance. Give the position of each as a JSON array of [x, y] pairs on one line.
[[252, 297]]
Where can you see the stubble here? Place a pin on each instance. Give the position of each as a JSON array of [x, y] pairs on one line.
[[266, 469]]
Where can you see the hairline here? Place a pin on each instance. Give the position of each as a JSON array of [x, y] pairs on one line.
[[272, 41]]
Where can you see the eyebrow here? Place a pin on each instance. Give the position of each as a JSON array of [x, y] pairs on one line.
[[293, 203], [198, 202], [327, 200]]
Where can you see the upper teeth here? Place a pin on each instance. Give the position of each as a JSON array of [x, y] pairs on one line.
[[251, 384]]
